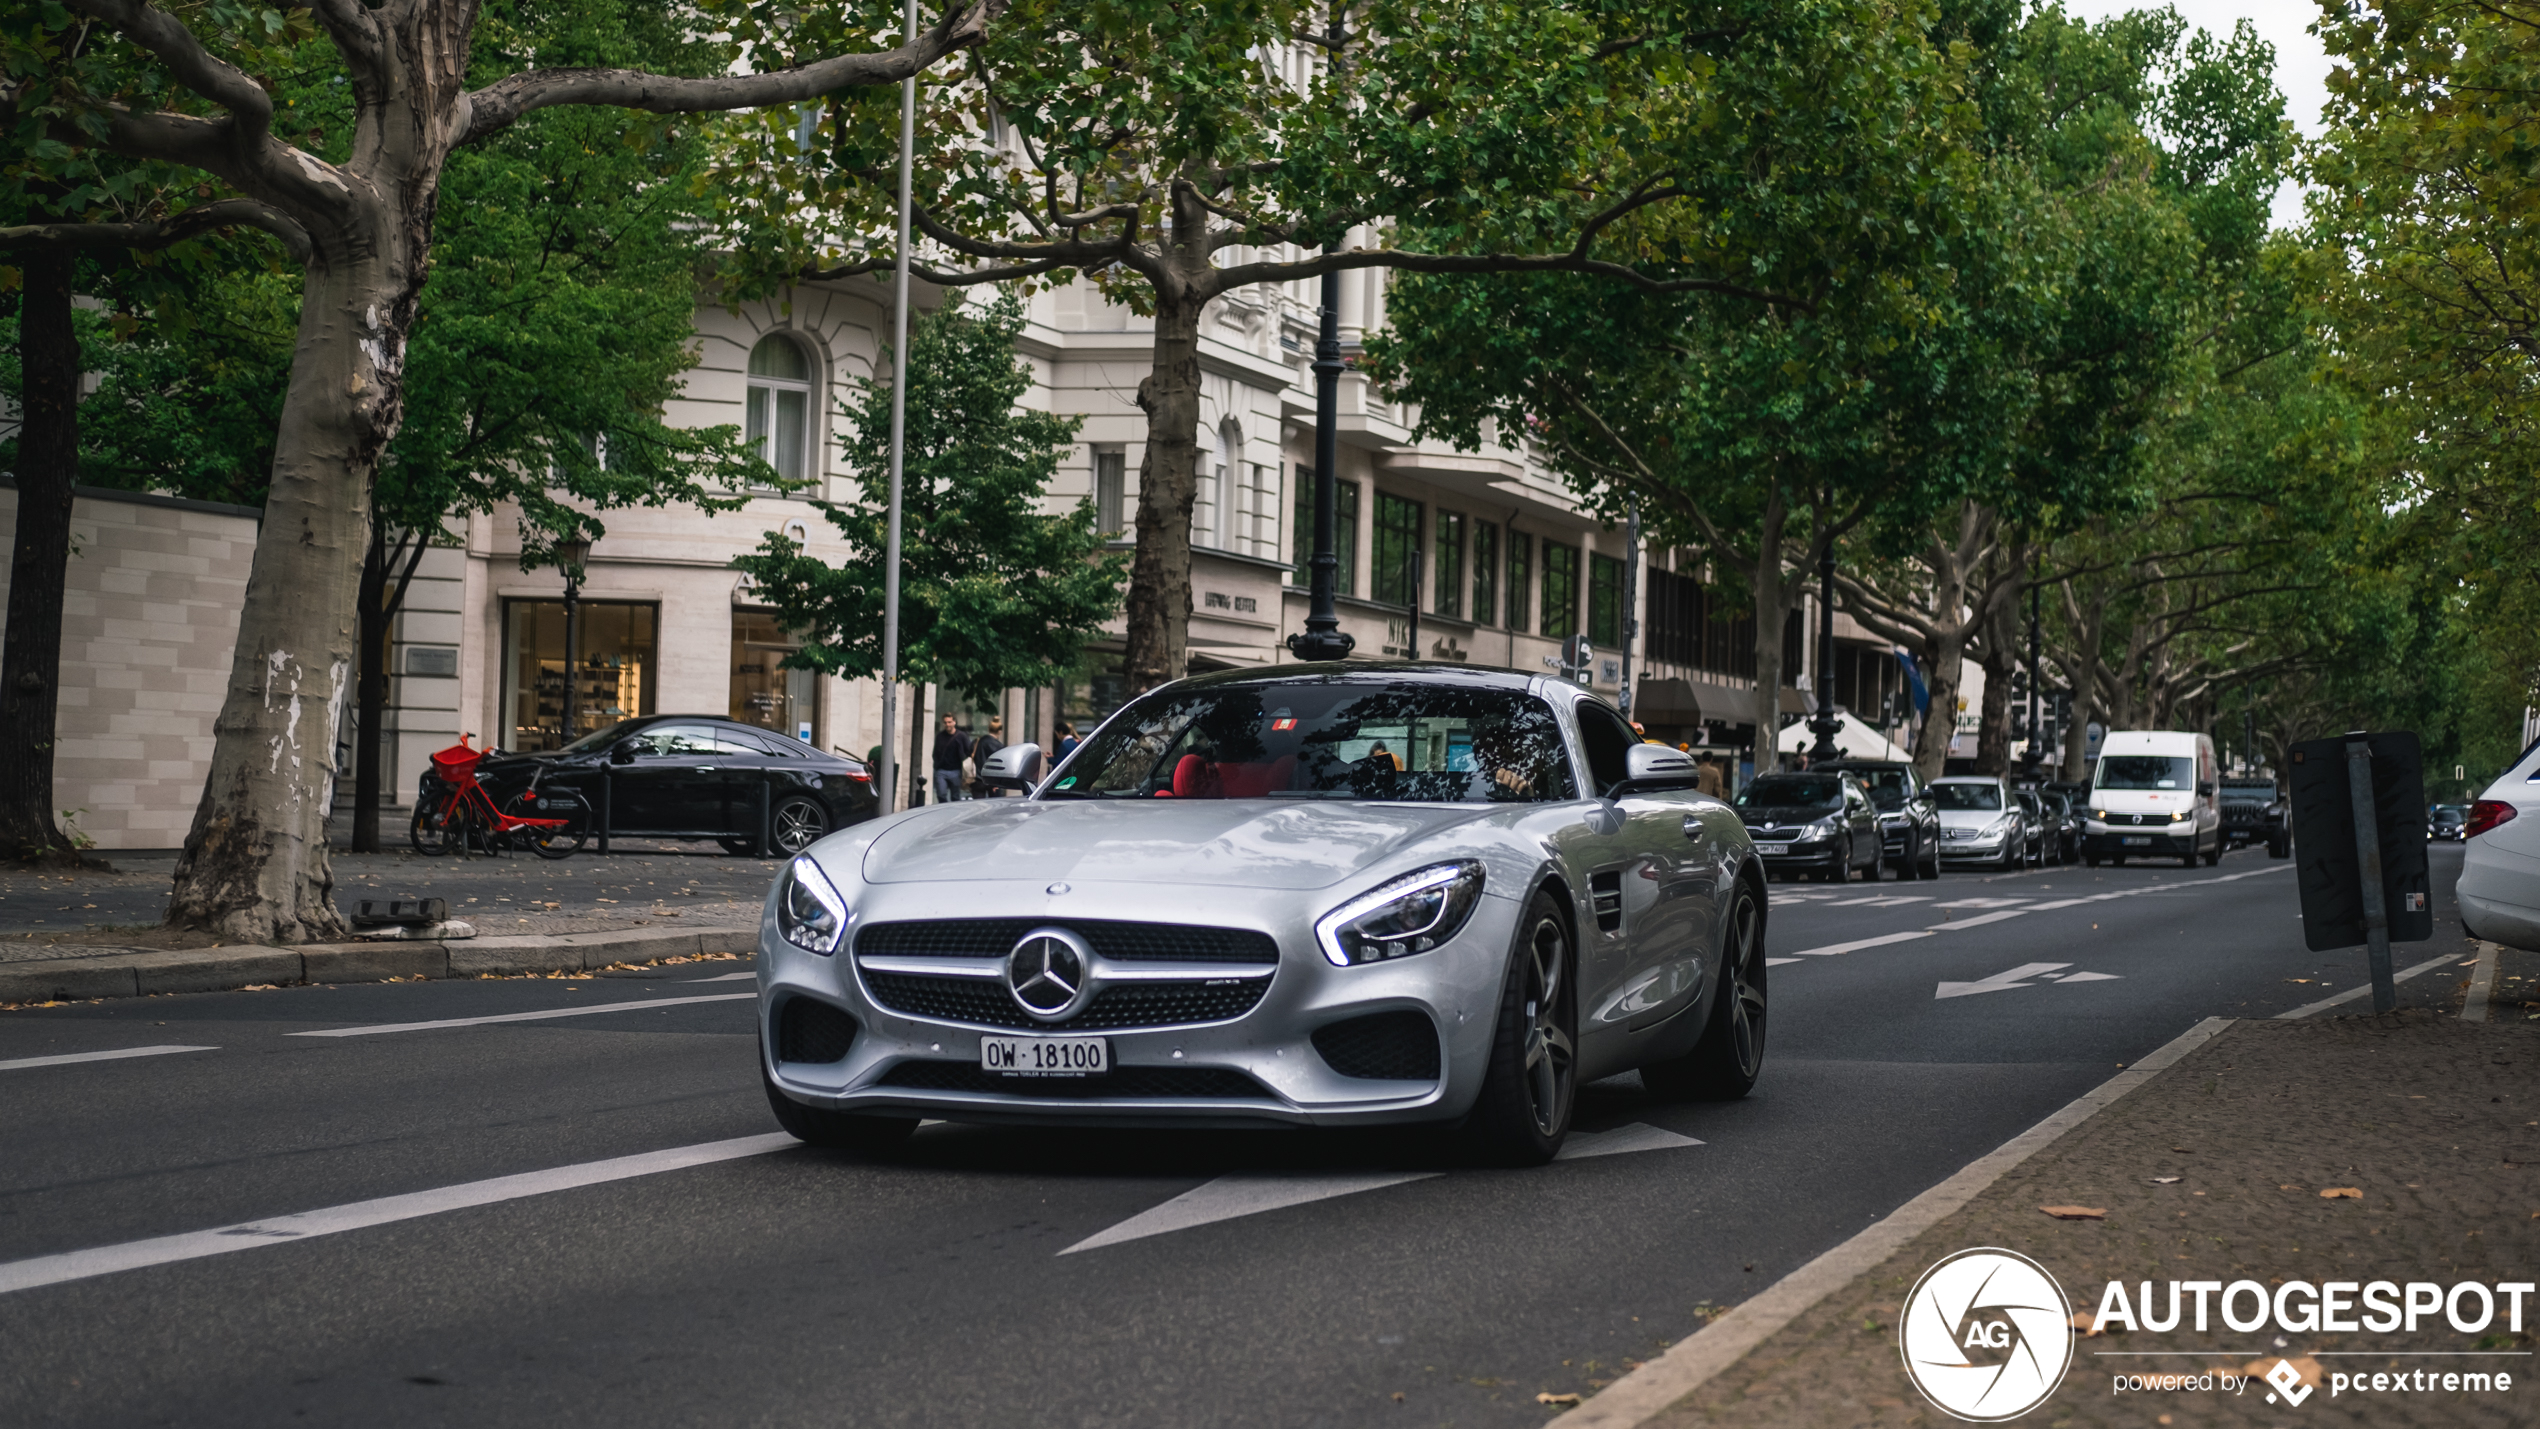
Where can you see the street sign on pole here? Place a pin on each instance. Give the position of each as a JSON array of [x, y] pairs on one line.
[[2359, 844]]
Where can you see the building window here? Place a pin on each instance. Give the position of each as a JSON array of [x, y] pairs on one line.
[[1111, 490], [1521, 548], [1344, 532], [764, 692], [1605, 601], [1449, 558], [1485, 572], [615, 643], [1087, 696], [1397, 549], [1261, 512], [1560, 590], [779, 416], [1214, 521]]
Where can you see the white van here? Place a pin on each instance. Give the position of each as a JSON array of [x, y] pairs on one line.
[[2154, 796]]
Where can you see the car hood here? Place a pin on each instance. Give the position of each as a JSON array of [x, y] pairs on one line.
[[1970, 818], [1778, 817], [1257, 843]]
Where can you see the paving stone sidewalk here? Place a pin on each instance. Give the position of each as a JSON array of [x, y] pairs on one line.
[[2435, 1121]]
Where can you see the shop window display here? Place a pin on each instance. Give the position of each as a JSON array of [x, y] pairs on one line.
[[614, 680], [764, 692]]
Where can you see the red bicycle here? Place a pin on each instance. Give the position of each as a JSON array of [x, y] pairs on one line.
[[454, 814]]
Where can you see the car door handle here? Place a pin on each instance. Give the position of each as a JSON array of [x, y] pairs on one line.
[[1694, 828], [706, 769]]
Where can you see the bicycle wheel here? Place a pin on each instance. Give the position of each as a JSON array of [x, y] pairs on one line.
[[427, 830], [549, 843]]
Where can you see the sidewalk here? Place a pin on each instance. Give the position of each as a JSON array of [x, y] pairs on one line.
[[2433, 1120]]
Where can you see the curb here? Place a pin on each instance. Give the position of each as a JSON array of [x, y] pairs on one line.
[[141, 973], [1648, 1391]]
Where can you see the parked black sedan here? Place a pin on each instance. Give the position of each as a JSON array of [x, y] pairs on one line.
[[1908, 825], [1822, 824], [697, 777]]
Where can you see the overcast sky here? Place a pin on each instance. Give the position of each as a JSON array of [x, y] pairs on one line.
[[2301, 66]]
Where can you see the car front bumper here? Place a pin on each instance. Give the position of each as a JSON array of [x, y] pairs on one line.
[[2149, 840], [1278, 1077]]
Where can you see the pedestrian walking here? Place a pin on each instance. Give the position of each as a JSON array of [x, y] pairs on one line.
[[950, 749], [1067, 741], [980, 748], [1707, 777]]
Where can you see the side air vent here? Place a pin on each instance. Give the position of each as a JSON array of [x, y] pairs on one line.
[[1605, 892], [1381, 1047], [811, 1031]]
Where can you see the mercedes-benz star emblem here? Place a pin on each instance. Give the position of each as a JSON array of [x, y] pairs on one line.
[[1049, 974]]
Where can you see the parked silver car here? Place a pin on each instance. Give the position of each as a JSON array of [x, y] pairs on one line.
[[1320, 895], [1982, 820]]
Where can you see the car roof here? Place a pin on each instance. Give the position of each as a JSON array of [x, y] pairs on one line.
[[1367, 672], [1971, 779]]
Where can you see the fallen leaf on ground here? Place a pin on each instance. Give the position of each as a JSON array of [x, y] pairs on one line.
[[2076, 1213], [2288, 1187], [2165, 1180], [1548, 1397], [2088, 1324], [1397, 1396], [2306, 1367], [2342, 1193]]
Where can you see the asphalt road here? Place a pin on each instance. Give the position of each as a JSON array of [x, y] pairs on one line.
[[1372, 1284]]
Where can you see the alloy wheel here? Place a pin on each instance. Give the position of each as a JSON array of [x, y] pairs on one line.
[[1746, 1011], [1551, 1061], [799, 825]]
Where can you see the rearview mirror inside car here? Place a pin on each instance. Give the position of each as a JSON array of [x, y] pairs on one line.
[[1017, 766]]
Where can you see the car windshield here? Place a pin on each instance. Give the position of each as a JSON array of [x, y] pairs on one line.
[[1887, 787], [1792, 791], [2146, 771], [2447, 816], [1326, 739], [1967, 796], [601, 739], [2248, 793]]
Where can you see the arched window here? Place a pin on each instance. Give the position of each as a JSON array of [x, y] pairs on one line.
[[779, 419]]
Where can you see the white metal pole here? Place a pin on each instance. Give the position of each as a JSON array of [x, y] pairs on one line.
[[899, 435]]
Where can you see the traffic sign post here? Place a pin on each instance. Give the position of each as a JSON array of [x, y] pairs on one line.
[[2359, 837]]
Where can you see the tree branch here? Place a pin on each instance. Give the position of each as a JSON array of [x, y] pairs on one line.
[[162, 232], [489, 110]]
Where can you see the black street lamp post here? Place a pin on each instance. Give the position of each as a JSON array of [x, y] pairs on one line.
[[1826, 725], [1323, 638], [572, 553]]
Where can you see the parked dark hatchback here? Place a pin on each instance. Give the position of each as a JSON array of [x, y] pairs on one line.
[[698, 777], [2254, 813], [1908, 825], [1820, 824]]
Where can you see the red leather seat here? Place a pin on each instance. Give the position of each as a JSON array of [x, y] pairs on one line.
[[1197, 778]]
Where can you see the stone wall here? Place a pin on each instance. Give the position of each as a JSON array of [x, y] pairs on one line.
[[149, 618]]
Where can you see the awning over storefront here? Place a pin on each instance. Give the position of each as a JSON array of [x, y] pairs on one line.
[[1679, 700]]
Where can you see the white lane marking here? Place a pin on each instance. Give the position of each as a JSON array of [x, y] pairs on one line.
[[1857, 902], [1896, 900], [2350, 994], [524, 1016], [1999, 982], [727, 977], [1979, 920], [1777, 962], [1639, 1136], [2090, 977], [1250, 1194], [116, 1055], [2482, 983], [359, 1215], [1984, 903], [1831, 949], [2061, 903]]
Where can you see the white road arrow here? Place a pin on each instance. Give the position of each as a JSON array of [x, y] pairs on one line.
[[1999, 982], [1248, 1195]]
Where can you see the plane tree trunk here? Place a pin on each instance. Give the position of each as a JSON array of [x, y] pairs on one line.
[[39, 558]]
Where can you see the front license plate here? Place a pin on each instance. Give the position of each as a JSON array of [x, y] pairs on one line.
[[2136, 841], [1045, 1056], [1772, 848]]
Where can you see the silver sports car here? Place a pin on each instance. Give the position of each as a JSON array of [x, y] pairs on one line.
[[1319, 895]]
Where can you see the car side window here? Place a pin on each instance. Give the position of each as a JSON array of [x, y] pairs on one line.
[[750, 741], [1607, 739], [683, 741]]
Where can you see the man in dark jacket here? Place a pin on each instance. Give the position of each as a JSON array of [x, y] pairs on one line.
[[980, 748], [950, 750]]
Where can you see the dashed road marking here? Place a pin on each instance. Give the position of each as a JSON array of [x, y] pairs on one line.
[[116, 1055], [378, 1028], [1834, 949]]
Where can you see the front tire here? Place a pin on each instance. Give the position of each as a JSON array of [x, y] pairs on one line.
[[834, 1130], [795, 824], [1725, 1064], [1531, 1086]]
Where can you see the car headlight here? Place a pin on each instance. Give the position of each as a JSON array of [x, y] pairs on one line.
[[1822, 828], [2100, 815], [2182, 816], [809, 912], [1410, 914], [1997, 828]]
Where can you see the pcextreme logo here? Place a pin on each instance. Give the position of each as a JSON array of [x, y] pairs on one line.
[[1986, 1335]]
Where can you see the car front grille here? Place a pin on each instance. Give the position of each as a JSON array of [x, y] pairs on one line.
[[1381, 1047], [1112, 939], [1121, 1006], [1119, 1084], [812, 1031]]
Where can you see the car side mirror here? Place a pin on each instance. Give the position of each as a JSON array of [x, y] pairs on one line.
[[2205, 790], [625, 750], [1656, 766], [1017, 766]]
